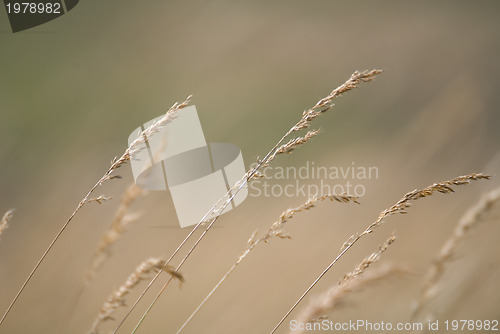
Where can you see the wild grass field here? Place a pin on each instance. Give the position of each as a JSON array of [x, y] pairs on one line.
[[72, 90]]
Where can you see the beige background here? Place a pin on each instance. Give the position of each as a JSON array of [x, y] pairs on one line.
[[72, 90]]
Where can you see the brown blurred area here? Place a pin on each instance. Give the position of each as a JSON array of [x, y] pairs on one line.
[[72, 90]]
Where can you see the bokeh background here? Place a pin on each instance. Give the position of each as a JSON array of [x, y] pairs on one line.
[[72, 90]]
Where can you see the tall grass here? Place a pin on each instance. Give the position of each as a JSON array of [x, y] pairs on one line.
[[449, 251], [4, 223], [275, 230], [400, 207], [325, 303], [117, 162], [150, 270], [281, 147]]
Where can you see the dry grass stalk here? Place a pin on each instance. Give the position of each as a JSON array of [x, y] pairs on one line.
[[273, 231], [293, 144], [335, 296], [441, 187], [448, 252], [320, 107], [120, 223], [4, 223], [353, 281], [367, 262], [400, 207], [117, 298], [116, 163], [156, 127], [326, 103], [101, 199]]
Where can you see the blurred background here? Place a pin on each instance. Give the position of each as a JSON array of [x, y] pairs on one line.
[[73, 89]]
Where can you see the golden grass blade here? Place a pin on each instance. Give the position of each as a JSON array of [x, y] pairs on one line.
[[273, 231], [4, 223], [320, 107], [351, 282], [398, 208], [117, 298], [117, 163], [120, 223], [446, 255], [331, 299]]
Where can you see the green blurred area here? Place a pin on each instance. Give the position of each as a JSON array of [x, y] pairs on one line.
[[81, 83], [72, 90]]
